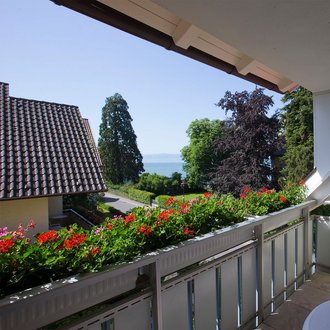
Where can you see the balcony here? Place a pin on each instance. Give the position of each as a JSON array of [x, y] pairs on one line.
[[293, 312], [232, 278]]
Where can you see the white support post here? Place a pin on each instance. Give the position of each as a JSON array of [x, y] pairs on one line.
[[307, 244], [321, 112], [155, 281], [259, 235]]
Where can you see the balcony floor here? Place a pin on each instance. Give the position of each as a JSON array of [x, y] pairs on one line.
[[293, 312]]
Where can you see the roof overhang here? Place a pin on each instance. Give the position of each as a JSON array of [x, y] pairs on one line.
[[153, 23], [278, 45]]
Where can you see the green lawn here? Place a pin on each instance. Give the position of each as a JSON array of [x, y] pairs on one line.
[[188, 197]]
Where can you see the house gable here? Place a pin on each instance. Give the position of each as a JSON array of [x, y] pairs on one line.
[[46, 150]]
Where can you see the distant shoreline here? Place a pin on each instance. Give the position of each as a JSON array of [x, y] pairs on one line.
[[164, 168]]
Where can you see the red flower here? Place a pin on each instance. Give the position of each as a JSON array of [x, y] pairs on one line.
[[170, 201], [184, 208], [263, 189], [301, 182], [259, 193], [129, 218], [219, 203], [188, 232], [49, 236], [95, 250], [282, 199], [145, 230], [165, 214], [246, 189], [207, 194], [242, 196], [75, 240], [31, 224], [5, 245], [184, 205], [109, 226]]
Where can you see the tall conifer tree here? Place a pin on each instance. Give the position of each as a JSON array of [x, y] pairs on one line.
[[121, 158], [297, 121]]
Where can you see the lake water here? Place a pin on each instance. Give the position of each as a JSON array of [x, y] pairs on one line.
[[163, 168]]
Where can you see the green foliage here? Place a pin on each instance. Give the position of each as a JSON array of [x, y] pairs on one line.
[[200, 157], [323, 210], [297, 120], [121, 158], [58, 254], [88, 200], [159, 184], [141, 196], [161, 200], [120, 189], [248, 141]]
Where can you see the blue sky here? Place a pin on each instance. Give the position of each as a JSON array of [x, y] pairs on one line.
[[51, 53]]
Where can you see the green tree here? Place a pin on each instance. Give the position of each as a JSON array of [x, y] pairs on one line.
[[200, 157], [121, 158], [248, 141], [297, 120]]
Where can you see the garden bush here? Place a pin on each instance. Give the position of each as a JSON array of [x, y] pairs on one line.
[[141, 196], [120, 189], [159, 184]]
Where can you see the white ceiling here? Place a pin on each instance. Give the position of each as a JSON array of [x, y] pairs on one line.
[[291, 37]]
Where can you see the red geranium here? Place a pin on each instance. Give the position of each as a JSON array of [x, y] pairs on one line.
[[188, 232], [5, 245], [49, 236], [129, 218], [95, 250], [73, 241], [145, 230], [170, 201], [207, 194], [282, 199], [164, 215]]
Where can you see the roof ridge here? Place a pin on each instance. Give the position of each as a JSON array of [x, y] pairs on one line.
[[42, 101]]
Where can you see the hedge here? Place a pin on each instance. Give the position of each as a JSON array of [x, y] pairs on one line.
[[141, 195]]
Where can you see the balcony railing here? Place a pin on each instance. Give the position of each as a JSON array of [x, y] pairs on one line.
[[228, 279]]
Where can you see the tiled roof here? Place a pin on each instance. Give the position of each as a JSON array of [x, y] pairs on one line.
[[45, 149]]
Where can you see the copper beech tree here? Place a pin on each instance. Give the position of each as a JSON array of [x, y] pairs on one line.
[[248, 141]]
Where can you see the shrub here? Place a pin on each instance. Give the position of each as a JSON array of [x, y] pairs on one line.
[[88, 200], [159, 184], [120, 189], [141, 196]]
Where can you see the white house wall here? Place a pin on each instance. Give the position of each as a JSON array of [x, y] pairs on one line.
[[14, 212]]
